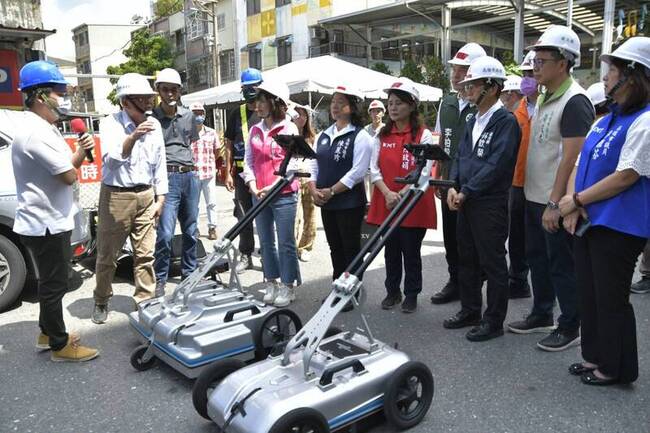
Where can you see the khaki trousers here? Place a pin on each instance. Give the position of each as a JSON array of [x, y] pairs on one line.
[[305, 219], [125, 214]]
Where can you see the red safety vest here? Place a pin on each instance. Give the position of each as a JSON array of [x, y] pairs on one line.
[[395, 161]]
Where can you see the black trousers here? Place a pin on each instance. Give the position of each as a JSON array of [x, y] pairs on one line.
[[343, 233], [605, 261], [51, 254], [449, 218], [243, 203], [403, 246], [482, 232], [518, 271]]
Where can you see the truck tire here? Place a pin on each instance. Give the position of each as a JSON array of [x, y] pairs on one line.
[[13, 272]]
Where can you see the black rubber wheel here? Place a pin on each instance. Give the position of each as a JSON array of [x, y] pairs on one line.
[[302, 420], [136, 359], [332, 330], [408, 395], [209, 379], [13, 272], [275, 331]]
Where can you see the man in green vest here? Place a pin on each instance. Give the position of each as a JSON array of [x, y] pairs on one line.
[[562, 119], [453, 114]]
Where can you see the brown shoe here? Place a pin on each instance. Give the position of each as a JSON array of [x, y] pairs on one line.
[[43, 342], [74, 352], [212, 234]]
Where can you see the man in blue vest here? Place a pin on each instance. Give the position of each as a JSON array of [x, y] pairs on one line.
[[454, 112], [236, 135]]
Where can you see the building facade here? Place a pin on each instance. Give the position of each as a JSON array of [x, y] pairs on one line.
[[98, 46]]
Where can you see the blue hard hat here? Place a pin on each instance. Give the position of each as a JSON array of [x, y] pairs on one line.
[[40, 73], [250, 76]]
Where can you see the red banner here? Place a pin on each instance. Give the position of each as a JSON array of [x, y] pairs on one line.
[[89, 172], [10, 96]]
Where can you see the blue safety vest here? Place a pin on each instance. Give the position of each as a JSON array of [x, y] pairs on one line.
[[628, 211], [334, 161]]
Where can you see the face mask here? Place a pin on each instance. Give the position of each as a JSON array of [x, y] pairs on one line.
[[199, 119], [528, 86], [250, 93]]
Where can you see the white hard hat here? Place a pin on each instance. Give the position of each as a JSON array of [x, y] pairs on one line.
[[562, 38], [133, 84], [467, 54], [512, 84], [376, 104], [487, 68], [348, 90], [596, 93], [168, 75], [278, 89], [197, 106], [404, 84], [634, 50], [527, 63]]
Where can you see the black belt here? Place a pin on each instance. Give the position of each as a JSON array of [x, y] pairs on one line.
[[180, 168], [137, 188]]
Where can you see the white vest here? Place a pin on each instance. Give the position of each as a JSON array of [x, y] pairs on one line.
[[545, 149]]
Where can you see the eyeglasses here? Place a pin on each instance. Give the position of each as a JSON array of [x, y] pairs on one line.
[[144, 99], [538, 63]]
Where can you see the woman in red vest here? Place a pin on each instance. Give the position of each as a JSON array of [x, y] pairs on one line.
[[390, 160]]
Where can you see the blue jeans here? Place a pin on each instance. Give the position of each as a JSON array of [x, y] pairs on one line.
[[552, 272], [278, 218], [181, 201]]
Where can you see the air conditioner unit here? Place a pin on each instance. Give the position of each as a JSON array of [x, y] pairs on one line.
[[318, 33]]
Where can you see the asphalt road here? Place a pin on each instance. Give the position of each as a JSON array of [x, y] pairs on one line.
[[506, 385]]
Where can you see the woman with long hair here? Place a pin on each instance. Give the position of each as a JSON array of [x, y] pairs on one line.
[[607, 207], [263, 157], [305, 215], [389, 160], [336, 184]]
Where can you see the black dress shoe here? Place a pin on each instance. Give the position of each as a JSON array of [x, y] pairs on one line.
[[447, 294], [391, 300], [484, 331], [590, 378], [410, 304], [462, 319], [578, 369]]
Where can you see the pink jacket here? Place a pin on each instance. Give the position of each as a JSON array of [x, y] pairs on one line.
[[263, 155]]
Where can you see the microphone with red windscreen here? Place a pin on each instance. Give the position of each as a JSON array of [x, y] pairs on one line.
[[79, 126]]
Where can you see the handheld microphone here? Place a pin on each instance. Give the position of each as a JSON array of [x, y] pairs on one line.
[[79, 126]]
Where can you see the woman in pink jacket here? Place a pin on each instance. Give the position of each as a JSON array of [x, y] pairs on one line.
[[263, 157]]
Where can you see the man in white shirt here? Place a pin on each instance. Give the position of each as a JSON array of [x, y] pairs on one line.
[[134, 184], [45, 169], [483, 173]]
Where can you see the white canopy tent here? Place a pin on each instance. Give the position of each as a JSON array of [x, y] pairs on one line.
[[314, 75]]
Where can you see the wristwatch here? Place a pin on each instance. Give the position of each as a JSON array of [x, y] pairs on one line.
[[552, 205], [332, 192]]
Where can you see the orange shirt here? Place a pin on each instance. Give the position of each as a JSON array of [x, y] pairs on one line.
[[521, 114]]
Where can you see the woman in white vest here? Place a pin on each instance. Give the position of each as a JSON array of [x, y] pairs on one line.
[[607, 207]]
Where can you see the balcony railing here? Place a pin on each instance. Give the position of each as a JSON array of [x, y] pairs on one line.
[[341, 48]]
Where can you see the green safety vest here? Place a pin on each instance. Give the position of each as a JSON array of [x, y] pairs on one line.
[[452, 128]]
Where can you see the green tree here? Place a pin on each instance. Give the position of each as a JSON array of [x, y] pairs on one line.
[[508, 61], [381, 67], [413, 71], [147, 54], [435, 73], [165, 8]]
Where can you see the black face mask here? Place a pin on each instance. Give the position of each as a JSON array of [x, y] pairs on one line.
[[135, 105], [250, 93]]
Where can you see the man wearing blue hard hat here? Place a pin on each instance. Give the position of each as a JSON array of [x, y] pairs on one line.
[[236, 135], [45, 170]]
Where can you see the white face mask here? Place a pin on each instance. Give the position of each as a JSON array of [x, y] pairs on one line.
[[64, 105]]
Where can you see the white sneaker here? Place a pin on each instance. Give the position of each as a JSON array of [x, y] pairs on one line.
[[271, 292], [286, 295]]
